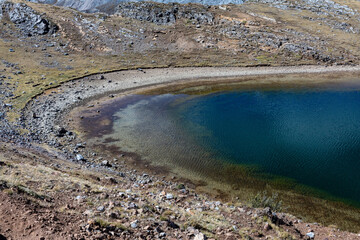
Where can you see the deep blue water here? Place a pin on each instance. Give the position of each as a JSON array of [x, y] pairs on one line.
[[312, 137]]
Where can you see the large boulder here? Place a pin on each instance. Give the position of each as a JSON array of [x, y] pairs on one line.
[[27, 19]]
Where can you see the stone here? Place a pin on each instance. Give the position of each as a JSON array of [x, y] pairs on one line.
[[311, 235], [101, 209], [114, 215], [60, 132], [79, 145], [267, 227], [171, 224], [105, 163], [200, 236], [169, 196], [80, 157], [88, 213], [134, 224], [78, 197]]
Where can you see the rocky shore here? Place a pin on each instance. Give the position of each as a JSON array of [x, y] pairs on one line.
[[153, 206], [55, 185], [114, 200], [43, 116]]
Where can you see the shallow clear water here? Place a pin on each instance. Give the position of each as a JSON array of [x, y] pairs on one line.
[[310, 136]]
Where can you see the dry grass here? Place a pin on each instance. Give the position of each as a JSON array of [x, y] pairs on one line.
[[36, 78]]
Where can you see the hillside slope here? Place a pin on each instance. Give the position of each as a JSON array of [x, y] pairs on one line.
[[96, 5]]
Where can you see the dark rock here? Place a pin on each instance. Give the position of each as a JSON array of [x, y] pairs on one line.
[[61, 132], [27, 20], [172, 224], [106, 163], [7, 105], [164, 13]]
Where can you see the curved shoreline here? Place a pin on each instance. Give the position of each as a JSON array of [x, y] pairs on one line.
[[44, 111], [46, 114]]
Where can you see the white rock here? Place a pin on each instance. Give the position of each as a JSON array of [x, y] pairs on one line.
[[134, 224], [311, 235], [169, 196], [200, 236], [80, 157]]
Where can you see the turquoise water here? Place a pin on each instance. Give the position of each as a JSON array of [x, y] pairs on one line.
[[310, 136]]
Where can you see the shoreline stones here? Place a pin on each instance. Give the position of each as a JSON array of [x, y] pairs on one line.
[[80, 157]]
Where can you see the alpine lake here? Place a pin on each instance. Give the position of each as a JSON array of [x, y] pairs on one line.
[[299, 143]]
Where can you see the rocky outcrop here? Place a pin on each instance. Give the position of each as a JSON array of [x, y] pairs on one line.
[[327, 12], [27, 20], [165, 13], [99, 5], [1, 13], [81, 5]]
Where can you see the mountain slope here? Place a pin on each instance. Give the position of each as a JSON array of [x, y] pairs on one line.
[[94, 5]]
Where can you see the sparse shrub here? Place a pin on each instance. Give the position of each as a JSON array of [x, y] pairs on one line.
[[8, 191], [263, 200], [102, 223], [148, 208], [180, 186], [119, 226], [25, 190], [112, 225]]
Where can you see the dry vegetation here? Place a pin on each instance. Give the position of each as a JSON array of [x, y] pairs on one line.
[[45, 62], [178, 45]]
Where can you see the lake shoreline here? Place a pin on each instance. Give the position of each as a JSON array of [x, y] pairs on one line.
[[53, 107]]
